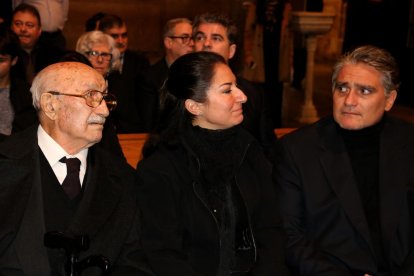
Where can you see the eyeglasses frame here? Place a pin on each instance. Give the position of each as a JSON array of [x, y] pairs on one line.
[[111, 105], [99, 54], [182, 37]]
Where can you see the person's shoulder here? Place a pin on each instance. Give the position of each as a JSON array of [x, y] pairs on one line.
[[19, 144], [160, 65], [157, 72], [399, 128], [110, 157], [137, 56], [306, 134], [164, 159]]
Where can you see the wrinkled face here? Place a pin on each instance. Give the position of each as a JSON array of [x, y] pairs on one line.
[[100, 63], [6, 62], [78, 125], [223, 106], [27, 28], [359, 99], [120, 35], [180, 42], [212, 37]]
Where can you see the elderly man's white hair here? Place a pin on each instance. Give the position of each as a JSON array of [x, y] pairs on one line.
[[59, 77]]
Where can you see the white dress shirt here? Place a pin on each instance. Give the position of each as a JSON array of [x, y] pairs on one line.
[[54, 152]]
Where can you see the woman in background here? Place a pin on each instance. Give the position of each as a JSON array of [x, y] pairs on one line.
[[100, 50], [206, 195], [16, 109]]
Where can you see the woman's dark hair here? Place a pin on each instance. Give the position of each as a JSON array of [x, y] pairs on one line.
[[9, 42], [189, 77]]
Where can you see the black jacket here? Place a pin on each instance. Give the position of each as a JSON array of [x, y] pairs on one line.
[[180, 235], [127, 115], [108, 210], [327, 230], [150, 85]]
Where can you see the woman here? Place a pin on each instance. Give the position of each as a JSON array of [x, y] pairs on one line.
[[207, 200], [16, 109], [100, 50]]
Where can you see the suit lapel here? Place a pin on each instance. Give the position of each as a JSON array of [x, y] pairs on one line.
[[338, 170], [101, 195]]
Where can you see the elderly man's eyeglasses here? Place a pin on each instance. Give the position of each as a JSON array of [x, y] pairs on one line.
[[103, 55], [185, 39], [93, 98]]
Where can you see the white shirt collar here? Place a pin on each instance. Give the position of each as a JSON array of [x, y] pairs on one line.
[[54, 152]]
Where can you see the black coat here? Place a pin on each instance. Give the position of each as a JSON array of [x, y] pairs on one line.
[[180, 235], [328, 233], [127, 115], [108, 210], [150, 85]]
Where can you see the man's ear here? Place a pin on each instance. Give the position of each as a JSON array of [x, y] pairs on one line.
[[232, 50], [49, 105], [167, 42], [193, 107], [389, 102]]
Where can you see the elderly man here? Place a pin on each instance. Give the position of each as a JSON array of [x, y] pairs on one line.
[[177, 42], [34, 56], [346, 183], [218, 33], [53, 178]]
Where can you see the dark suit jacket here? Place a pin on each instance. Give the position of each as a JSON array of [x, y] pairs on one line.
[[42, 56], [127, 116], [150, 84], [107, 212], [328, 233]]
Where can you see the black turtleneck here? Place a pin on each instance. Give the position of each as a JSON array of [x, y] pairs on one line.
[[219, 153], [363, 147]]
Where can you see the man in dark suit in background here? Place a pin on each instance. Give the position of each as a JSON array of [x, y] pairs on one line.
[[40, 193], [123, 84], [177, 39], [346, 183], [34, 55], [218, 33]]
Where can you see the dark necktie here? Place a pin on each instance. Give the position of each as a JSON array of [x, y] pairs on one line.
[[71, 184]]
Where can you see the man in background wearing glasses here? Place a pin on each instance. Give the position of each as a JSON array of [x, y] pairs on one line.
[[177, 42], [53, 178]]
